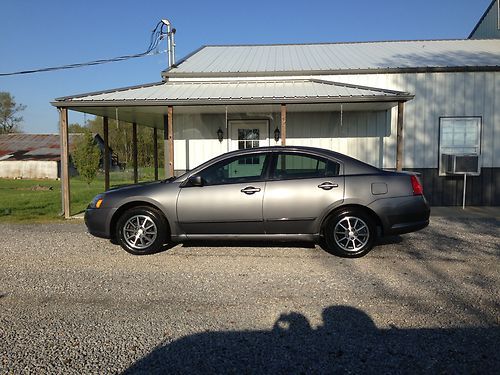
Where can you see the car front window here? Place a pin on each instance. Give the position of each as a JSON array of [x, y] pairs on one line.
[[241, 169]]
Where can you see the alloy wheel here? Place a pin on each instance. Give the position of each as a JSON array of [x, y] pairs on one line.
[[139, 232], [351, 234]]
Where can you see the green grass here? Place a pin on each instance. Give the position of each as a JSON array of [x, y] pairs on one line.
[[28, 201]]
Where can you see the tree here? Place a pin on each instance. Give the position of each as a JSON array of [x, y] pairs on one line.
[[86, 157], [9, 113], [76, 128], [120, 140]]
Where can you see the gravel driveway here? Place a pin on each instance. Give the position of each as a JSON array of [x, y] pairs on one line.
[[425, 302]]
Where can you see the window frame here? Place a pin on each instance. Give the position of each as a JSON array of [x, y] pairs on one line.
[[479, 145], [274, 162]]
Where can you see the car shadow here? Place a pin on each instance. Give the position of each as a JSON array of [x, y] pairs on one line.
[[236, 243], [347, 342]]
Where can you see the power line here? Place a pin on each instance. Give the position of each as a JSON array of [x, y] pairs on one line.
[[156, 35]]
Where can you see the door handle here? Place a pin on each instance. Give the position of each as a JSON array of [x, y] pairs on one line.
[[327, 185], [250, 190]]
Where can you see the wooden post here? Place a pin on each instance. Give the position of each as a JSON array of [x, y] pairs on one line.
[[399, 137], [283, 125], [134, 152], [63, 133], [170, 141], [105, 159], [165, 145], [155, 152]]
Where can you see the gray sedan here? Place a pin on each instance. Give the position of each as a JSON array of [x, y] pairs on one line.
[[270, 193]]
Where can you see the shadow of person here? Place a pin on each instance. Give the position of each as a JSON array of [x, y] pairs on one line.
[[291, 346], [292, 322], [347, 341]]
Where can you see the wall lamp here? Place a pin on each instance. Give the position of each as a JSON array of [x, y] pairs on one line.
[[276, 134], [220, 135]]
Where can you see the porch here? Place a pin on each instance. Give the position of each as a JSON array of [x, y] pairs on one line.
[[201, 120]]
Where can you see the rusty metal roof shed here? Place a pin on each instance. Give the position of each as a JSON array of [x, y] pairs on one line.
[[23, 146]]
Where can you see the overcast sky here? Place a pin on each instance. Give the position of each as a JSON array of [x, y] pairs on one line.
[[36, 34]]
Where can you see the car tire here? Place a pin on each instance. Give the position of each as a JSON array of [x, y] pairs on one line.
[[349, 233], [142, 230]]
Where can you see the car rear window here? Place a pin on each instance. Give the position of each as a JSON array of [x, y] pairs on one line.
[[290, 166]]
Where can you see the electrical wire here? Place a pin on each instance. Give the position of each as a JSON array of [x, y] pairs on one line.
[[156, 35]]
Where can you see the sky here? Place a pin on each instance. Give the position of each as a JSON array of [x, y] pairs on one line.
[[37, 34]]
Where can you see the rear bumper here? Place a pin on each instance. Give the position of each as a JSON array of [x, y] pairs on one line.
[[98, 221], [403, 214]]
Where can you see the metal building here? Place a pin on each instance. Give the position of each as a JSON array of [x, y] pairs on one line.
[[427, 106], [488, 26]]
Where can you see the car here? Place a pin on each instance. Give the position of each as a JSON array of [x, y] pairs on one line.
[[265, 193]]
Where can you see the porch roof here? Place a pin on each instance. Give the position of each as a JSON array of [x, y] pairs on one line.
[[145, 104], [230, 92]]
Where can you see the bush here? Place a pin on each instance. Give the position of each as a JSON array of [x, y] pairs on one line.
[[86, 157]]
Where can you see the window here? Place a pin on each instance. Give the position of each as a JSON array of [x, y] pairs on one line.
[[234, 170], [248, 138], [291, 166], [458, 136]]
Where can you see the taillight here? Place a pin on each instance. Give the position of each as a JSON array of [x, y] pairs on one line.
[[416, 185]]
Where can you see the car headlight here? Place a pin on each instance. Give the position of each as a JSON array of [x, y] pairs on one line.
[[97, 201]]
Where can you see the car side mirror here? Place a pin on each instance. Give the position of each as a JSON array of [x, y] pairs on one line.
[[195, 181]]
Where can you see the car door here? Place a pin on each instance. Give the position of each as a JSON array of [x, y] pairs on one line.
[[229, 200], [301, 187]]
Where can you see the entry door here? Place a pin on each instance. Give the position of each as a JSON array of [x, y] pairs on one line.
[[248, 134]]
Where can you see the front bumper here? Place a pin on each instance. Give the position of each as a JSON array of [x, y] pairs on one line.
[[98, 221], [402, 214]]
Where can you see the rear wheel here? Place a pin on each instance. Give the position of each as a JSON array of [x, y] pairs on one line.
[[141, 230], [350, 233]]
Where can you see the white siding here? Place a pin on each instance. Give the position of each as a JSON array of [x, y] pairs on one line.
[[369, 135], [195, 139], [360, 135], [436, 95], [31, 169]]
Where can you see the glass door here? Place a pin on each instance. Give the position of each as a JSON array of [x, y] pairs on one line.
[[248, 134]]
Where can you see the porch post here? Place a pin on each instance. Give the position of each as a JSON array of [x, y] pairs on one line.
[[63, 133], [169, 143], [165, 145], [283, 125], [105, 159], [134, 151], [399, 139], [155, 152]]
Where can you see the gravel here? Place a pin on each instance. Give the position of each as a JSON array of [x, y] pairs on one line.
[[425, 302]]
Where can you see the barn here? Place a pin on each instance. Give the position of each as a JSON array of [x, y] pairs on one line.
[[38, 156], [429, 106], [32, 156]]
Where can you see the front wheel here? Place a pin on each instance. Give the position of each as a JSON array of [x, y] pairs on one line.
[[350, 234], [141, 230]]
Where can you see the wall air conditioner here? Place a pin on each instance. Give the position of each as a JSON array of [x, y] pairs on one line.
[[461, 164]]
